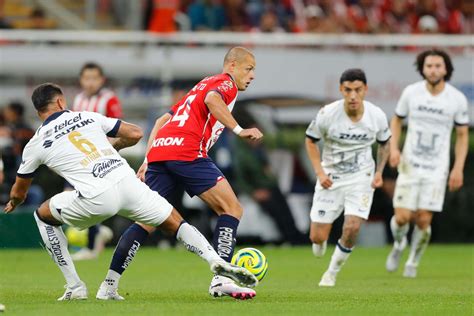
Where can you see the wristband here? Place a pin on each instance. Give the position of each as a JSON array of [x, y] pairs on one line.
[[145, 161], [1, 164], [237, 130]]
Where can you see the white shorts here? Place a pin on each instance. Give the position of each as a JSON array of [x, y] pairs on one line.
[[129, 198], [416, 193], [353, 196]]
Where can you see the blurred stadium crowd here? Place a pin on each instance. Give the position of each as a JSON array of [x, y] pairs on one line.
[[269, 16]]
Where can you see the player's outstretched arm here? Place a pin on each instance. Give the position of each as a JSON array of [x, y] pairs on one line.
[[127, 135], [396, 129], [314, 155], [221, 112], [18, 193], [456, 177], [383, 151], [159, 123]]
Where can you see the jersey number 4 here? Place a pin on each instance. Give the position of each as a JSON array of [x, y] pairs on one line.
[[182, 113]]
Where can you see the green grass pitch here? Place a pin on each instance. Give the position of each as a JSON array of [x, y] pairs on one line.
[[175, 282]]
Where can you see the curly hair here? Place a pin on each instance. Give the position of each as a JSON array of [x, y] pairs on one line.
[[420, 61]]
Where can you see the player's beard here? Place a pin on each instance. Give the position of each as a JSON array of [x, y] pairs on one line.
[[434, 83]]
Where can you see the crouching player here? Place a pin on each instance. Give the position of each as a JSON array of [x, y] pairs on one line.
[[75, 145]]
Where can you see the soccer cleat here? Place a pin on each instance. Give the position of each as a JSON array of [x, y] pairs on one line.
[[410, 271], [393, 259], [84, 254], [78, 292], [236, 273], [107, 292], [223, 286], [328, 279]]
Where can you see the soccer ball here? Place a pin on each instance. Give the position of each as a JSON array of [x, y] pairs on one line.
[[76, 238], [253, 260]]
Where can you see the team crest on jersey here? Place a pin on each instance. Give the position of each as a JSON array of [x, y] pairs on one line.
[[226, 86], [321, 213]]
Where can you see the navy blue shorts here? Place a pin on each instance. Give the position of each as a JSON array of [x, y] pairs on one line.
[[196, 176]]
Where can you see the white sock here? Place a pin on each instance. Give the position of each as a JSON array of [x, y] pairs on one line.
[[195, 242], [398, 232], [112, 278], [320, 250], [56, 244], [339, 257], [419, 242]]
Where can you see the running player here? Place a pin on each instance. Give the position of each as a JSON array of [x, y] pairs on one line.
[[177, 154], [432, 106], [95, 98], [75, 145], [346, 178]]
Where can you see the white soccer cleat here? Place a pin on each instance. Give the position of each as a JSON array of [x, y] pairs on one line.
[[107, 293], [410, 271], [393, 259], [223, 286], [78, 292], [328, 279], [84, 254], [236, 273]]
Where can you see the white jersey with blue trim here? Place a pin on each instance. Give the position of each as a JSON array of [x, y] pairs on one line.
[[347, 147], [75, 146], [430, 122]]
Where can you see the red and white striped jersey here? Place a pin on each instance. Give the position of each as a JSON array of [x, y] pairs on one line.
[[104, 102], [192, 129]]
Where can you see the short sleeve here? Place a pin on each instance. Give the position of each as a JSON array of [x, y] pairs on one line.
[[383, 132], [114, 108], [316, 130], [109, 125], [461, 117], [226, 88], [401, 109], [30, 162]]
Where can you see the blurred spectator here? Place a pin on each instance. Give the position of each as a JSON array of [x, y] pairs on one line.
[[236, 14], [165, 16], [427, 24], [14, 135], [460, 17], [3, 22], [254, 176], [363, 17], [269, 23], [38, 20], [318, 22], [398, 18], [206, 15], [434, 8]]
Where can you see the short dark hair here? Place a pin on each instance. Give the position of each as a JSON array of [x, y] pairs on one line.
[[420, 61], [17, 107], [91, 65], [44, 94], [353, 74]]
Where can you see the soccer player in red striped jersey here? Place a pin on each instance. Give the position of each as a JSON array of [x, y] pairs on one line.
[[95, 98], [177, 155]]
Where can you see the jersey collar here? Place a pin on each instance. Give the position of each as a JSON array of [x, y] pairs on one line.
[[232, 78], [53, 117]]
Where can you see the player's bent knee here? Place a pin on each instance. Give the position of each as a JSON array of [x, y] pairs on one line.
[[44, 214], [148, 228]]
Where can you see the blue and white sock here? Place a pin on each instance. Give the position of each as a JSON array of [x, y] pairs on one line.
[[56, 244], [195, 242], [224, 236], [339, 257], [125, 251]]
